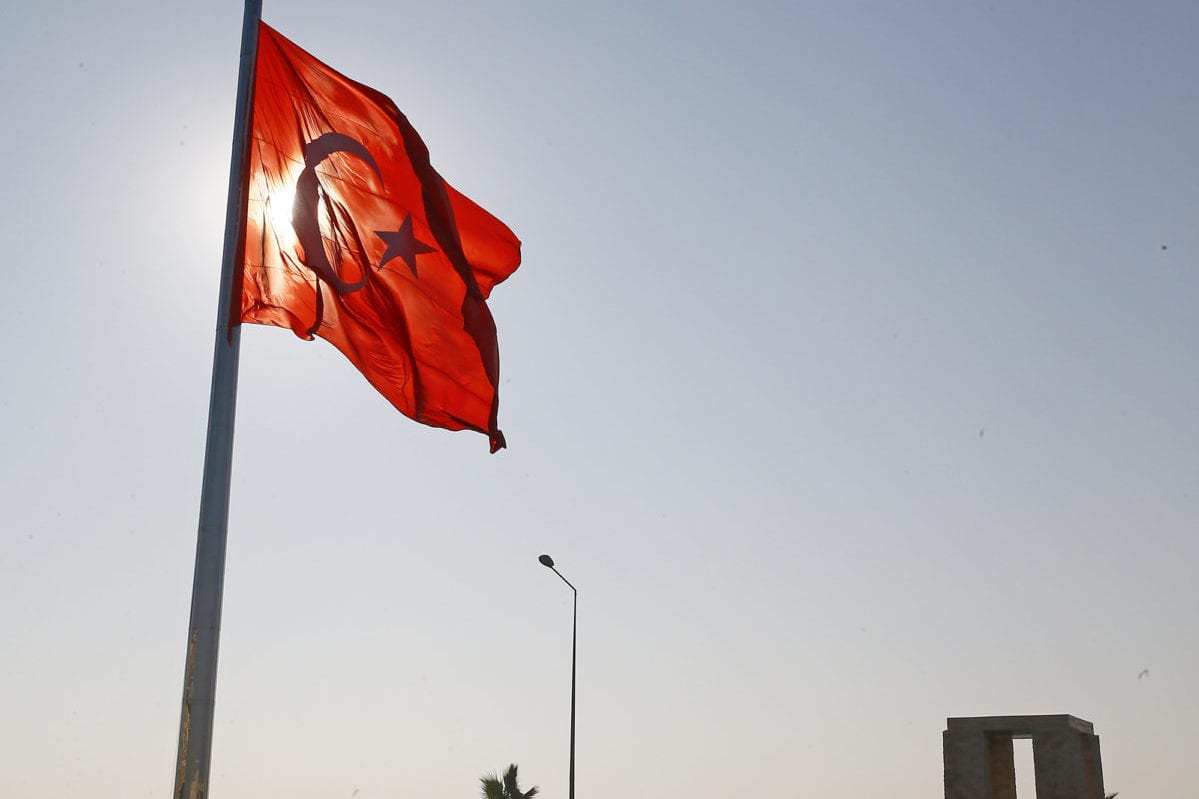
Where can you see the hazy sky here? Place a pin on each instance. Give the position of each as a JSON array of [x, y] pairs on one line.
[[850, 374]]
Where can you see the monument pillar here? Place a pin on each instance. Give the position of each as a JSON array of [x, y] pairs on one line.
[[1093, 765], [967, 765], [1003, 766], [1061, 771], [979, 765]]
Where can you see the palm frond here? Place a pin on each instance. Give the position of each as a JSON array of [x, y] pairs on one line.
[[492, 788], [506, 787], [510, 786]]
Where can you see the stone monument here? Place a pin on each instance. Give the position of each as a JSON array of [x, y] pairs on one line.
[[979, 762]]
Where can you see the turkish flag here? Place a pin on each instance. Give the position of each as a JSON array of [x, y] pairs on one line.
[[351, 235]]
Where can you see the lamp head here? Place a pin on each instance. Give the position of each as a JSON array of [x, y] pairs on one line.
[[547, 561]]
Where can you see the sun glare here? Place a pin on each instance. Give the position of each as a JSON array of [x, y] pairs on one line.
[[279, 204]]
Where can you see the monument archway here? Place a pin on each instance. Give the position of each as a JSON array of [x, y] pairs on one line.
[[980, 764]]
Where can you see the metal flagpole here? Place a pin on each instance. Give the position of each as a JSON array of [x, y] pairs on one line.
[[199, 679]]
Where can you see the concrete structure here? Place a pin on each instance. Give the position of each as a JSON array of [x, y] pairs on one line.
[[979, 763]]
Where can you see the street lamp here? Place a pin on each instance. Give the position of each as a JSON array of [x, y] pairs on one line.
[[548, 562]]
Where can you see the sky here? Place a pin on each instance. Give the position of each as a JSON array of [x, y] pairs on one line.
[[850, 376]]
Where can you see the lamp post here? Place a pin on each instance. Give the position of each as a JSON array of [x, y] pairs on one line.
[[548, 562]]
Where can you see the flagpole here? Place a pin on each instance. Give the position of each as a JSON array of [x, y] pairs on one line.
[[204, 628]]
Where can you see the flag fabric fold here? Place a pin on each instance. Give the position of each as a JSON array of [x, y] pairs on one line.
[[352, 236]]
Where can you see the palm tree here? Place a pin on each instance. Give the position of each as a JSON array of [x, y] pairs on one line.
[[496, 788]]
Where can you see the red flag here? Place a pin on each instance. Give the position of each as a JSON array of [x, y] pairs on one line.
[[352, 236]]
